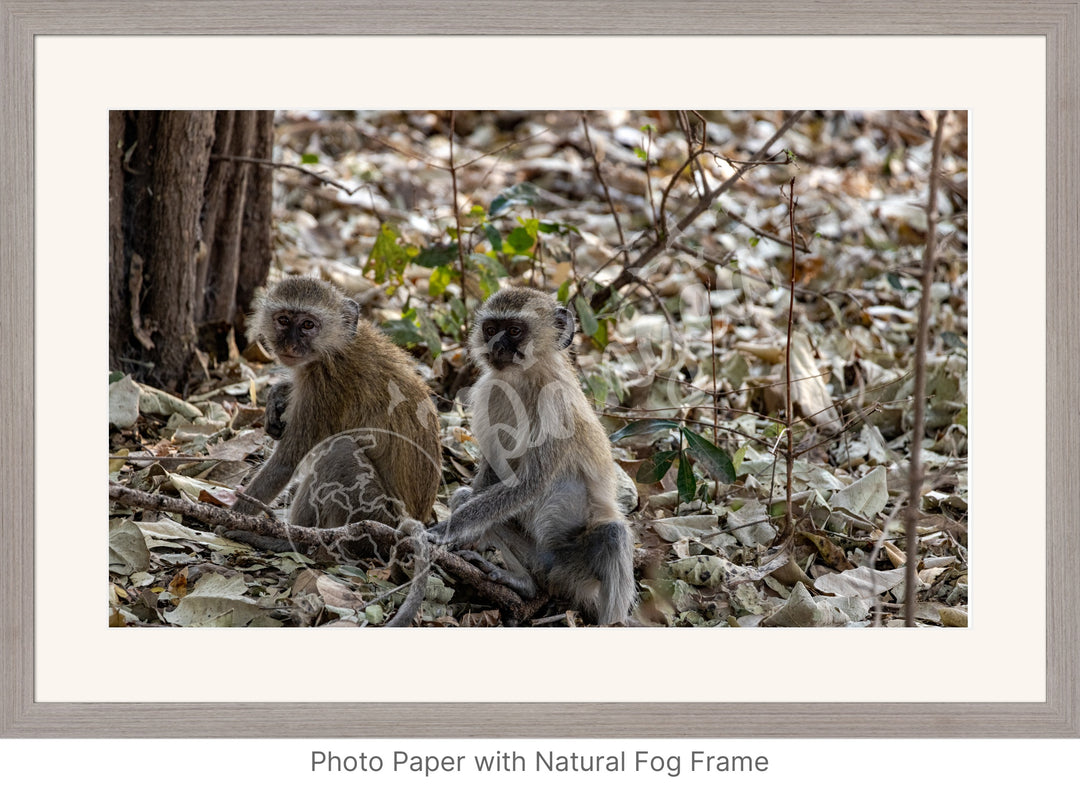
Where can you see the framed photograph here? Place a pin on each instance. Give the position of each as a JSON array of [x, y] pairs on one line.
[[1008, 68]]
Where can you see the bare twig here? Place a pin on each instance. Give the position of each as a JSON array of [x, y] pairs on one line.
[[410, 153], [660, 245], [504, 147], [708, 199], [732, 162], [762, 233], [918, 429], [715, 391], [648, 174], [258, 161], [726, 263], [688, 132], [788, 408], [661, 219], [457, 219], [607, 193]]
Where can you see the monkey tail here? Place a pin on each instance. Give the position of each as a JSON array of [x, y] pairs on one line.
[[421, 568], [610, 555]]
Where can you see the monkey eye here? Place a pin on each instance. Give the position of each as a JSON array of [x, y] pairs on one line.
[[490, 330], [282, 320], [514, 331], [307, 325]]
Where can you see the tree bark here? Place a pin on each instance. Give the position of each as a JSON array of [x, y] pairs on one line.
[[189, 236]]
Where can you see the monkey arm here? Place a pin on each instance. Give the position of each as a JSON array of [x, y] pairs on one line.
[[485, 477], [277, 400], [272, 476], [490, 506]]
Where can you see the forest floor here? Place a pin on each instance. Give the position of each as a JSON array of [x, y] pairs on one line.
[[685, 358]]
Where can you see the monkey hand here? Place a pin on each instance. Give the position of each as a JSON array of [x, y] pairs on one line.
[[277, 400], [440, 533], [457, 531]]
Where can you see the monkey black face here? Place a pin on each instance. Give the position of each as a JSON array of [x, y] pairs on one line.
[[505, 339], [519, 326], [295, 334]]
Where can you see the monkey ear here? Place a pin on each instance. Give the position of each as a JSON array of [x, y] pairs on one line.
[[565, 326], [350, 311]]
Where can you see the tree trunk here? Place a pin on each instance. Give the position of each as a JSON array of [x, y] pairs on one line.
[[189, 236]]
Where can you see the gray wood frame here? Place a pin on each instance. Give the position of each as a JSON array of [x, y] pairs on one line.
[[21, 716]]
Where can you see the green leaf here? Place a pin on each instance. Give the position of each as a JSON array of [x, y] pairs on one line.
[[641, 153], [685, 481], [489, 271], [598, 387], [640, 427], [713, 460], [457, 306], [589, 323], [652, 470], [524, 193], [414, 328], [429, 332], [737, 459], [387, 259], [447, 324], [437, 256], [773, 429], [440, 280], [404, 331], [451, 322], [548, 227], [520, 240], [564, 291], [601, 335], [493, 237], [308, 158]]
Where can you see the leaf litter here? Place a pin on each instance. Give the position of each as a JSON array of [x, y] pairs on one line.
[[699, 342]]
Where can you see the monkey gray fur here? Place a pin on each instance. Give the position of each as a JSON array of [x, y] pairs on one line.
[[544, 493]]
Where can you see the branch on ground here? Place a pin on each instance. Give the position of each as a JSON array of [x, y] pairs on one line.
[[346, 544]]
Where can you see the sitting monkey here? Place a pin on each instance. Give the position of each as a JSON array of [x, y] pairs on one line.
[[355, 421], [544, 493]]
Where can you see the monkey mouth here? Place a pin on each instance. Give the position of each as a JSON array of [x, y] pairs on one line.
[[501, 359], [289, 360]]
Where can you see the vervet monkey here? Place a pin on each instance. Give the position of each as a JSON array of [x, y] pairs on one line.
[[356, 418], [544, 493]]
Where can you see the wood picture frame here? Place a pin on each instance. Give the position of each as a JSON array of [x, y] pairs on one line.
[[22, 716]]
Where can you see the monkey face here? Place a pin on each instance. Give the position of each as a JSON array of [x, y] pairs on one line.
[[521, 327], [295, 336], [302, 320], [506, 340]]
